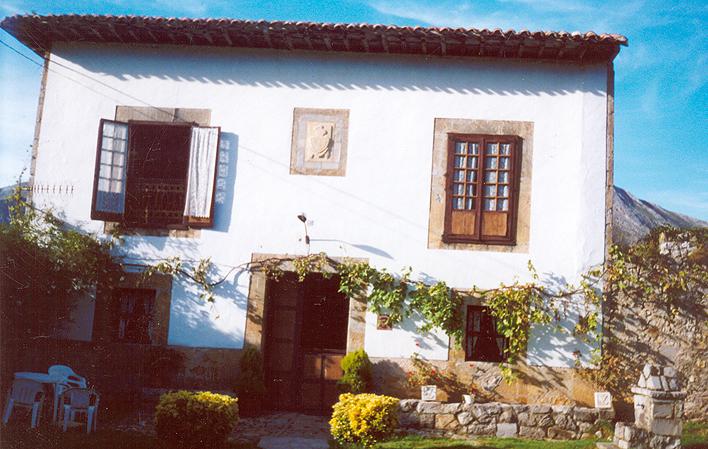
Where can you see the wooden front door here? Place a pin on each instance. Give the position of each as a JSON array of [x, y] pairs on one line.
[[305, 340]]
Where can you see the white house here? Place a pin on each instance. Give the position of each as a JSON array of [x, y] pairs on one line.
[[461, 153]]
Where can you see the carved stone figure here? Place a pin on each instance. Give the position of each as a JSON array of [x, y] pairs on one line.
[[319, 140]]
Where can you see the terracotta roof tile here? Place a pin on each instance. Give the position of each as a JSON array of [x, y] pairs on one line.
[[40, 32]]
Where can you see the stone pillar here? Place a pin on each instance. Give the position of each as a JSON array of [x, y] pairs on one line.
[[658, 409]]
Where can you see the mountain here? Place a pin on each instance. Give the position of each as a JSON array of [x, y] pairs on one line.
[[633, 218]]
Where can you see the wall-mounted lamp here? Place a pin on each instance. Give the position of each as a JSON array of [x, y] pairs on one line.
[[303, 219]]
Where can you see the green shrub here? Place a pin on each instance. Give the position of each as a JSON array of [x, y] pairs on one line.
[[250, 384], [189, 419], [357, 373], [364, 418]]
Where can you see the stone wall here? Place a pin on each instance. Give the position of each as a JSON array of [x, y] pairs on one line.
[[560, 422]]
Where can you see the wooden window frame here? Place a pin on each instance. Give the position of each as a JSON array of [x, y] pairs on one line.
[[468, 335], [514, 186], [187, 222]]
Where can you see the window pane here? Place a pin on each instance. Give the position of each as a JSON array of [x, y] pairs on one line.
[[471, 190], [116, 186], [503, 191], [490, 190], [108, 129], [472, 148], [106, 157], [119, 159], [469, 204], [504, 163], [457, 189], [459, 161], [119, 146], [504, 177], [471, 161], [459, 148], [490, 162], [457, 203], [471, 176], [503, 205], [490, 176], [121, 132], [490, 204], [103, 185], [117, 173], [105, 171], [107, 143], [506, 148], [492, 148], [459, 175]]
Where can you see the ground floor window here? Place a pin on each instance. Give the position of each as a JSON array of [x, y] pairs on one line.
[[136, 316], [482, 341]]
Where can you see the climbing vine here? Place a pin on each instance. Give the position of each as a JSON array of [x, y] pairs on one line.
[[667, 265]]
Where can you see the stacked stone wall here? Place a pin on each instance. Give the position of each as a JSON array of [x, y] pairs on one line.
[[560, 422]]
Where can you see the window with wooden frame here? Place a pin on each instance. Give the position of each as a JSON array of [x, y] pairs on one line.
[[136, 316], [482, 188], [155, 174], [482, 341]]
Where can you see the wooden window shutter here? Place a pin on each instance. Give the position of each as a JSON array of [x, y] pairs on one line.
[[109, 184], [201, 176]]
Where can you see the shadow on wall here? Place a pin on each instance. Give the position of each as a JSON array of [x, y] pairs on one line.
[[283, 69], [225, 181], [194, 322]]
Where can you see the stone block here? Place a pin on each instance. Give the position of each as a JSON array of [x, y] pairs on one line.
[[663, 409], [426, 421], [407, 405], [507, 430], [446, 421], [678, 410], [564, 421], [540, 409], [564, 409], [585, 414], [585, 426], [413, 420], [429, 407], [526, 419], [507, 416], [671, 427], [452, 407], [622, 444], [545, 421], [557, 433], [628, 433], [482, 429], [535, 433], [491, 409], [465, 418]]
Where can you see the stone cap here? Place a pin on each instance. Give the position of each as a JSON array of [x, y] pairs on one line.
[[659, 394]]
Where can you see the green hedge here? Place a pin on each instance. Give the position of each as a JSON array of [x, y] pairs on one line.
[[189, 419]]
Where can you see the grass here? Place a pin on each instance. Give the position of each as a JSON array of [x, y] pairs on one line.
[[695, 436]]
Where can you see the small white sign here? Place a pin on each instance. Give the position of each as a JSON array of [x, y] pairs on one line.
[[603, 399], [428, 392]]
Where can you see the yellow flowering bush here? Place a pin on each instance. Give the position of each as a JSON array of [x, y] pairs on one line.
[[364, 418], [191, 419]]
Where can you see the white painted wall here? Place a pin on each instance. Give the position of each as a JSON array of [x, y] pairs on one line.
[[379, 210]]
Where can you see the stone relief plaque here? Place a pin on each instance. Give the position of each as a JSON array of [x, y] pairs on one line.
[[319, 142], [428, 392], [603, 399]]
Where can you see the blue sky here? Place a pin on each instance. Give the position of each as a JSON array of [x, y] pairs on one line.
[[661, 114]]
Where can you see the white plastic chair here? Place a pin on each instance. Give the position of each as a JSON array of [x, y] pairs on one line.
[[65, 378], [76, 401], [28, 394]]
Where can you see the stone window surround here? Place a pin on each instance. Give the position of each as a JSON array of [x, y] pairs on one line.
[[105, 327], [436, 224], [257, 293], [167, 115]]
